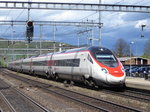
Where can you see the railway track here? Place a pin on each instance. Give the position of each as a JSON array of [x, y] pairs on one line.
[[132, 94], [17, 101], [95, 103], [7, 107], [138, 91]]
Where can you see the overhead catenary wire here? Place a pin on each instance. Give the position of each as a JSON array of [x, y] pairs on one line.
[[12, 19], [12, 23], [116, 13], [95, 12]]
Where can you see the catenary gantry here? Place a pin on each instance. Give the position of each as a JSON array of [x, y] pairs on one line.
[[56, 23], [73, 6]]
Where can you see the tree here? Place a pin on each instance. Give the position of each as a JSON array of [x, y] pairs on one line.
[[147, 49], [122, 48]]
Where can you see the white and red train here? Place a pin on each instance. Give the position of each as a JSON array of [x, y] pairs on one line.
[[91, 65]]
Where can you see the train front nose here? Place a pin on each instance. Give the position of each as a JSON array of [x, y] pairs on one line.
[[113, 80]]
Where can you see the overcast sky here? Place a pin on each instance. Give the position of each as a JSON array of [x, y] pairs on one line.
[[116, 25]]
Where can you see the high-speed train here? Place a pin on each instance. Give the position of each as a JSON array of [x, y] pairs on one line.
[[90, 65]]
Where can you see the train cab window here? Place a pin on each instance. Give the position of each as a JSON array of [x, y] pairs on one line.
[[90, 59], [105, 57]]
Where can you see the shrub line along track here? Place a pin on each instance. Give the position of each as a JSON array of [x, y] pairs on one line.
[[95, 103], [17, 101]]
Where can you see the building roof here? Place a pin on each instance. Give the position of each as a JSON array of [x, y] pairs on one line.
[[128, 58]]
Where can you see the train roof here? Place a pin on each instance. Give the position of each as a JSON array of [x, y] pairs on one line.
[[92, 48], [75, 50], [99, 49]]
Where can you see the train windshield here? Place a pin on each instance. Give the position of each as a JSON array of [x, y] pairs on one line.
[[107, 59]]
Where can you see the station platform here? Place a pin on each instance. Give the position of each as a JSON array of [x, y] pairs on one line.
[[139, 83]]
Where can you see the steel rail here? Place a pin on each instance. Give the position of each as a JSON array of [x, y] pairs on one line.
[[133, 96], [126, 95], [7, 102], [140, 93], [78, 100], [31, 100], [45, 87], [109, 102], [26, 97]]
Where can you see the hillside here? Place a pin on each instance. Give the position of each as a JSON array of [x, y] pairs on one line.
[[6, 54]]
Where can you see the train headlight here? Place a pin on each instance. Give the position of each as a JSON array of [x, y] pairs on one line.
[[123, 69], [104, 70]]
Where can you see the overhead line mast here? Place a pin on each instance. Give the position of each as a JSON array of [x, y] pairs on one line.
[[100, 26]]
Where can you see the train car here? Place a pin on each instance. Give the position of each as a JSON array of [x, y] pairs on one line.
[[90, 65], [10, 65], [15, 65], [93, 65], [39, 65], [26, 65]]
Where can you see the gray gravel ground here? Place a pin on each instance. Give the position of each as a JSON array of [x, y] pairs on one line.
[[58, 104], [50, 101]]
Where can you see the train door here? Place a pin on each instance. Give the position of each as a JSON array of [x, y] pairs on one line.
[[89, 64], [45, 65], [50, 63], [21, 65], [31, 66], [84, 64], [30, 69]]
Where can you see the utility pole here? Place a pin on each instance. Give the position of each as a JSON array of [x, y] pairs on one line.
[[100, 31], [92, 39], [131, 58], [27, 50], [78, 41], [87, 35], [28, 14], [28, 10], [12, 37], [8, 52], [54, 38], [82, 32], [40, 39]]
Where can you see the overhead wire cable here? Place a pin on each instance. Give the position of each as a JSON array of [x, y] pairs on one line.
[[12, 21]]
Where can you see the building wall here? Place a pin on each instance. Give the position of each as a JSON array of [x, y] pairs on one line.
[[137, 61], [148, 61]]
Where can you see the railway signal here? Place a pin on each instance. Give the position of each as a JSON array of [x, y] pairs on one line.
[[29, 31], [142, 26]]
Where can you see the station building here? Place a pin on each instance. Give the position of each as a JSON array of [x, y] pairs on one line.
[[134, 61]]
